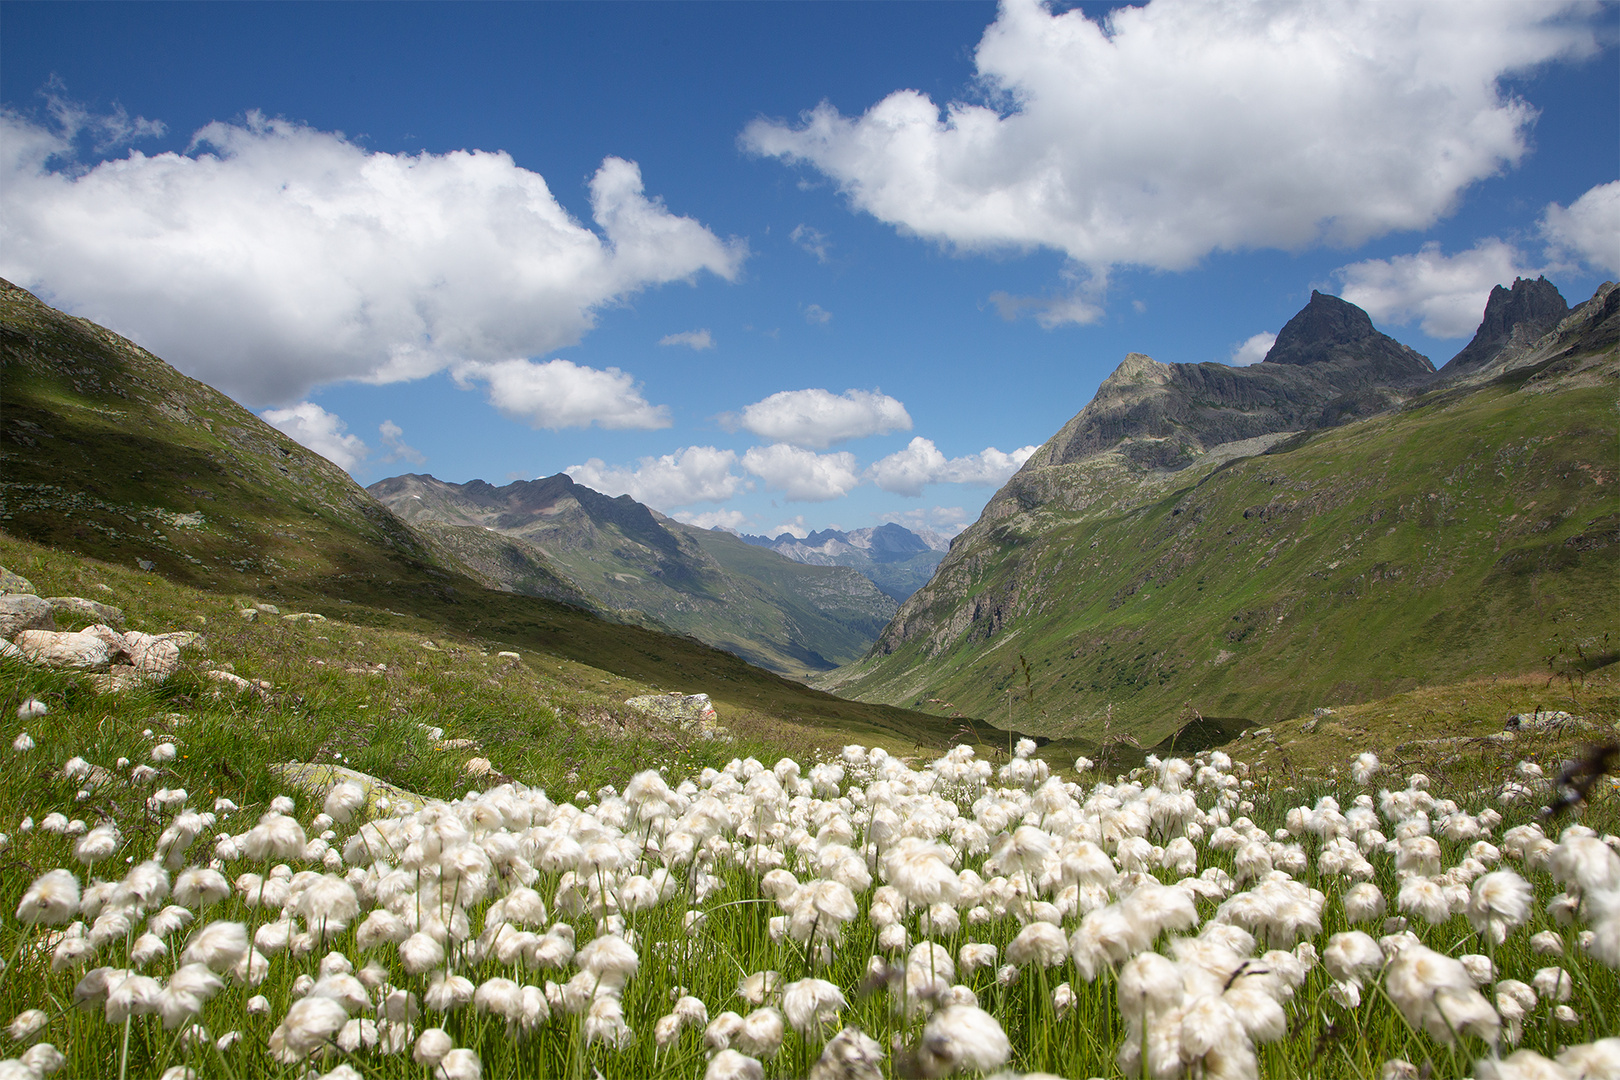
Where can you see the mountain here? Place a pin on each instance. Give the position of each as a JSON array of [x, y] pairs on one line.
[[1331, 525], [637, 563], [109, 453], [1515, 319], [894, 558]]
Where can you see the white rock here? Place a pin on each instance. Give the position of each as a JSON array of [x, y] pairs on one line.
[[54, 648], [151, 654]]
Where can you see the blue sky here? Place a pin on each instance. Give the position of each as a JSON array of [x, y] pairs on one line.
[[663, 272]]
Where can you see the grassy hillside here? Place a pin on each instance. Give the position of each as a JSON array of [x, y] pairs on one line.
[[107, 452], [626, 559], [1472, 533]]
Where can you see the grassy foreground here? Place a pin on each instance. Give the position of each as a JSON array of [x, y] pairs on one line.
[[698, 920]]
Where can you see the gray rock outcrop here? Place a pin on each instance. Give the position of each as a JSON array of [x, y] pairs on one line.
[[1514, 319], [24, 611], [13, 583], [77, 608]]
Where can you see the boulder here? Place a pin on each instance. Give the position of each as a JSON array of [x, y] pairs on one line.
[[78, 609], [14, 583], [675, 706], [152, 654], [1542, 720], [24, 611], [304, 616], [55, 648], [117, 650], [382, 798]]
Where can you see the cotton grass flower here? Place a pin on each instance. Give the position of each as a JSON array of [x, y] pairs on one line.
[[810, 1004], [1435, 993], [960, 1038], [52, 899], [731, 1065], [26, 1023], [459, 1064], [220, 946], [1499, 902], [1039, 943]]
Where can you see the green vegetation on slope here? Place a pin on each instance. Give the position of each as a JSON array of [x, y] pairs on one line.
[[107, 452], [626, 559], [1467, 534]]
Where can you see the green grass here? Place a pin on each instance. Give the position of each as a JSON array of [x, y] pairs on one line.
[[323, 718], [1466, 537]]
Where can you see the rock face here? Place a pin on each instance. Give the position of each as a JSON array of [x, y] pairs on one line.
[[1514, 319], [24, 611], [1327, 366], [1331, 331]]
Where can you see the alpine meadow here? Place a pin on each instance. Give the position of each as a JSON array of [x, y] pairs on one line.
[[1011, 540]]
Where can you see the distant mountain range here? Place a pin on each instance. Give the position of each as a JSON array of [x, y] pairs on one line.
[[898, 560], [1335, 523], [789, 616]]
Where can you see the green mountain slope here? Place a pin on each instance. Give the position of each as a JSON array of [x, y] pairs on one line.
[[108, 452], [625, 558], [1472, 531]]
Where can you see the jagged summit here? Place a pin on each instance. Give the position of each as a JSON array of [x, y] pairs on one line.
[[1514, 317], [1228, 540], [1311, 335], [1329, 364], [1329, 331]]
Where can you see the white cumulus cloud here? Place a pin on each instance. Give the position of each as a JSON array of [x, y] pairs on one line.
[[393, 437], [690, 475], [945, 520], [819, 418], [696, 340], [733, 521], [816, 315], [1447, 293], [802, 475], [795, 528], [272, 256], [320, 431], [1253, 350], [561, 394], [908, 471], [1588, 229], [1181, 127]]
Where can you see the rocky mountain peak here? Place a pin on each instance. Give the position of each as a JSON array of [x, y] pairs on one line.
[[1516, 316], [1310, 337]]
